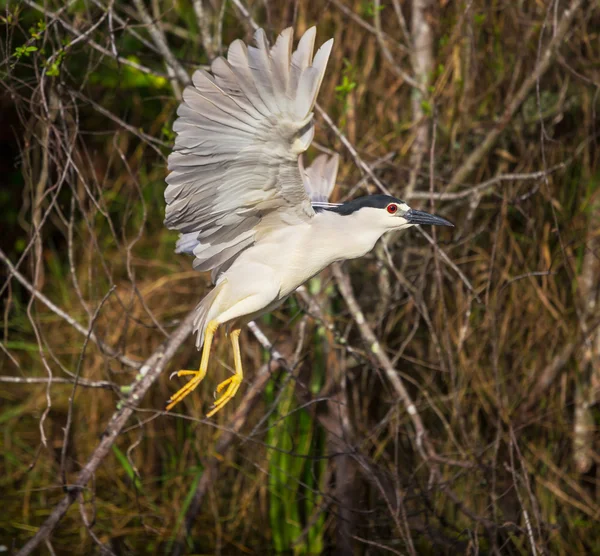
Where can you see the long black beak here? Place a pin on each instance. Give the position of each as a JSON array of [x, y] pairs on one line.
[[420, 217]]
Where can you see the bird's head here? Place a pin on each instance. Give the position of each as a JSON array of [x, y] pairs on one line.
[[387, 212]]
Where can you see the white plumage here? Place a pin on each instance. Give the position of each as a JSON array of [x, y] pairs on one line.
[[245, 206]]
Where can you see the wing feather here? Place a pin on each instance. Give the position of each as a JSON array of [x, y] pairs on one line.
[[301, 59], [306, 102], [237, 56], [319, 178], [240, 131], [281, 56]]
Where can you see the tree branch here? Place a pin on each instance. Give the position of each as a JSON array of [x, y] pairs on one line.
[[513, 104], [125, 61], [65, 316], [149, 372]]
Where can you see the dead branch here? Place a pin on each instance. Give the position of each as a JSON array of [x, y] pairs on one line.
[[104, 384], [363, 166], [587, 392], [66, 317], [83, 36], [376, 349], [203, 23], [513, 104], [149, 372], [158, 37], [422, 62], [483, 187], [387, 55]]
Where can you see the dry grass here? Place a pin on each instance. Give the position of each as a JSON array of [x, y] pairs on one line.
[[326, 453]]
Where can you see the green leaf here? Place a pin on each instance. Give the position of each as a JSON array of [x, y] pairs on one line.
[[129, 470]]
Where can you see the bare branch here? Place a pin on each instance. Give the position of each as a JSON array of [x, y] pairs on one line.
[[68, 318], [161, 43], [388, 55], [205, 36], [104, 384], [376, 349], [386, 51], [365, 25], [422, 62], [149, 372], [463, 171], [246, 14], [363, 166], [83, 36], [483, 186]]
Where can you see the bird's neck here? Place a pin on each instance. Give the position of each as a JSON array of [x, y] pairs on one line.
[[346, 237]]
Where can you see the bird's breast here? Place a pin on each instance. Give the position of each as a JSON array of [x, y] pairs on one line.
[[297, 253]]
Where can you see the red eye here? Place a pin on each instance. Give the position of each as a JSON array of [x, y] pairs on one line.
[[392, 208]]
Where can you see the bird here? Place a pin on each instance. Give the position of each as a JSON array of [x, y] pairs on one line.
[[242, 200]]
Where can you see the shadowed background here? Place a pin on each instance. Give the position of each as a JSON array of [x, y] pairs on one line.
[[437, 396]]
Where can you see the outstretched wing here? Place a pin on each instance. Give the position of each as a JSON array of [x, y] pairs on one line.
[[319, 178], [240, 132]]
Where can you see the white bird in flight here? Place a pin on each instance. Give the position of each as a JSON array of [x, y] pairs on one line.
[[245, 206]]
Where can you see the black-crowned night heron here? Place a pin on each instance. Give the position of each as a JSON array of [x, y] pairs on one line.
[[246, 207]]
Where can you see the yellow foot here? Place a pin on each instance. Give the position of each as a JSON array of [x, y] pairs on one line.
[[189, 387], [232, 384]]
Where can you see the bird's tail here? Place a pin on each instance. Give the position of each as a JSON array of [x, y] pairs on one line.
[[206, 311]]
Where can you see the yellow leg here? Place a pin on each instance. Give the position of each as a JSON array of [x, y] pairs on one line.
[[234, 381], [200, 373]]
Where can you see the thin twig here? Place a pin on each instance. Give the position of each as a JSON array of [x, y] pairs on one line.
[[151, 141], [483, 186], [149, 372], [125, 61], [65, 316], [67, 427], [365, 24], [363, 166], [450, 263], [104, 384], [160, 41], [205, 36], [245, 13], [377, 350], [388, 55], [513, 104]]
